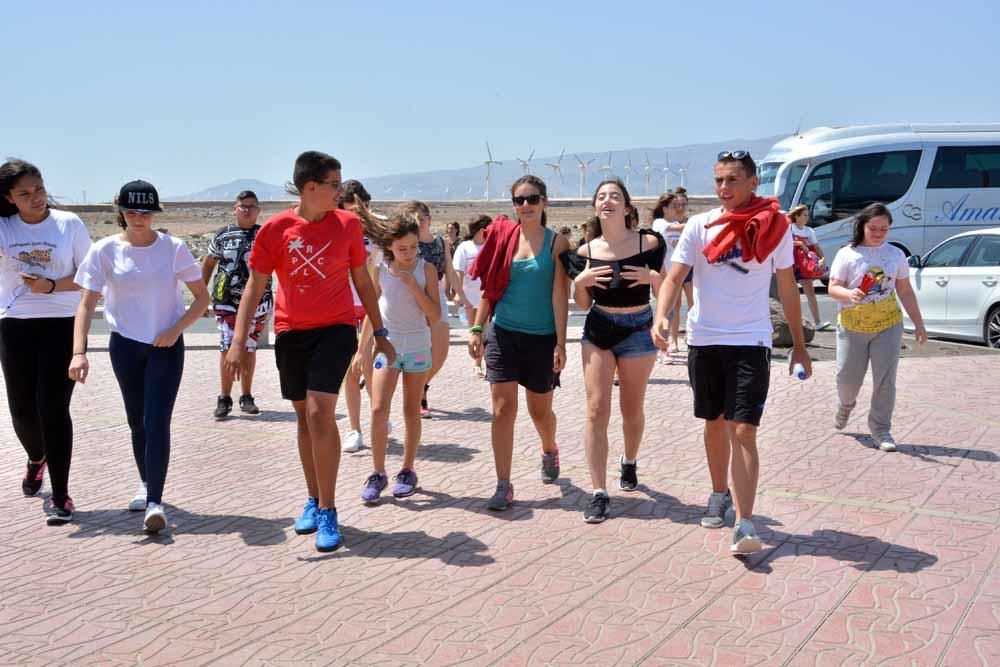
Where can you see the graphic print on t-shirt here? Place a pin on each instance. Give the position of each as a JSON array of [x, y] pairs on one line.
[[306, 258]]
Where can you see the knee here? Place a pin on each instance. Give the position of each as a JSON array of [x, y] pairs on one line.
[[380, 412], [504, 409], [598, 412], [745, 435], [538, 414]]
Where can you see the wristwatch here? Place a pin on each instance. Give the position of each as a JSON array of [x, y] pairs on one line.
[[381, 333]]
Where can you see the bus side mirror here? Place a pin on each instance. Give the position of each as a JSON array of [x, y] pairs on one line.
[[914, 261]]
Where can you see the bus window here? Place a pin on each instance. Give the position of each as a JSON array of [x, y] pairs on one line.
[[791, 184], [966, 167], [840, 188]]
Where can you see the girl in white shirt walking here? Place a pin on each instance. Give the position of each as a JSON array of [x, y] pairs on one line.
[[139, 273], [465, 254], [805, 237]]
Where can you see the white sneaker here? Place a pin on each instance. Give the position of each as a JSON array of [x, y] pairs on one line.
[[138, 504], [388, 427], [156, 518], [353, 442], [840, 419], [745, 540], [885, 442]]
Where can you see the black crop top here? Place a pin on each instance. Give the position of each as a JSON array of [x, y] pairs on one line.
[[618, 293]]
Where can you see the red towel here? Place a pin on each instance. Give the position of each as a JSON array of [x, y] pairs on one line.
[[492, 264], [760, 226]]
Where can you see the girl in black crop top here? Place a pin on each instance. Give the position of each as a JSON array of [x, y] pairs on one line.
[[612, 276]]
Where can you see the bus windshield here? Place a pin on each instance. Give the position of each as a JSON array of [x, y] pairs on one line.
[[784, 191], [768, 173]]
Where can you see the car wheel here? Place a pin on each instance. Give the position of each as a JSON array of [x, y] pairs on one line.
[[991, 329]]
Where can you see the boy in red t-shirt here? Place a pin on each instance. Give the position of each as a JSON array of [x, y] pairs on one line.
[[314, 249]]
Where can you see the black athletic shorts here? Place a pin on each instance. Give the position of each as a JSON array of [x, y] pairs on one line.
[[730, 381], [314, 359], [512, 356]]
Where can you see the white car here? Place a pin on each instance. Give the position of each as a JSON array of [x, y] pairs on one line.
[[956, 287]]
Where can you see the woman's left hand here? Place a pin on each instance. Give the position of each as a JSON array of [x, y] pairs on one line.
[[921, 334], [559, 359], [167, 338], [639, 275]]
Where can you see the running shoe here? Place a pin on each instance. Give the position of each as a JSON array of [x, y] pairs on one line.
[[327, 530], [248, 406], [156, 518], [34, 475], [502, 497], [550, 466], [425, 412], [60, 512], [597, 509], [885, 442], [718, 505], [840, 419], [745, 540], [138, 502], [223, 406], [306, 523], [406, 483], [822, 326], [353, 442], [374, 486], [629, 477]]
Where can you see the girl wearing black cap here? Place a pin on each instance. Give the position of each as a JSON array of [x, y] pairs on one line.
[[139, 272], [41, 248]]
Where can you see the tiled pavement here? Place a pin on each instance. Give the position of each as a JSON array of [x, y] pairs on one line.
[[871, 558]]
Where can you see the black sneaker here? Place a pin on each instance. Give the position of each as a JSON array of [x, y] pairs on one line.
[[247, 405], [60, 512], [629, 479], [597, 510], [425, 412], [34, 475], [223, 407]]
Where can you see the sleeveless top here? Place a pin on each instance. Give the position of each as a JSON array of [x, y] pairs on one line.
[[526, 305], [619, 292], [401, 314], [433, 252]]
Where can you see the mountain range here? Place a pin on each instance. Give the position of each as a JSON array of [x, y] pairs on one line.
[[689, 165]]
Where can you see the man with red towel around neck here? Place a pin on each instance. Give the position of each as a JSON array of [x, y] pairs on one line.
[[734, 250]]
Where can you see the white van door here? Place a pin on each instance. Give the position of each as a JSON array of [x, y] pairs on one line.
[[963, 192]]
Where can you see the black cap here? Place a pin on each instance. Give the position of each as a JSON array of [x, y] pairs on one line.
[[139, 196]]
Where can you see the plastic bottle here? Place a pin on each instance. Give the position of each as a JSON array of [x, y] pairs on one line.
[[798, 370], [380, 360]]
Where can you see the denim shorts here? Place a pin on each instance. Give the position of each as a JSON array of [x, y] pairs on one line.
[[413, 362], [639, 343]]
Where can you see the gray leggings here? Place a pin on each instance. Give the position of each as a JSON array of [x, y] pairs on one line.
[[854, 350]]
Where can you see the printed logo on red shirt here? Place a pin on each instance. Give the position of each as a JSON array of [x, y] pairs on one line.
[[306, 258]]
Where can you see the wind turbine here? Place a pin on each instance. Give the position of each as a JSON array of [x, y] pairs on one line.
[[628, 171], [683, 172], [489, 167], [526, 164], [647, 172], [583, 171], [606, 168], [666, 173], [556, 167]]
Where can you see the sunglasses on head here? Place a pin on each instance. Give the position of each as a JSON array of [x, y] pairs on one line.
[[735, 155], [530, 199]]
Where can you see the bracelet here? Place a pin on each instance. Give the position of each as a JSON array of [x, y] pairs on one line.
[[476, 329], [79, 354], [53, 286]]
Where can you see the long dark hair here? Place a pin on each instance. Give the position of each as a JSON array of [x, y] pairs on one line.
[[11, 172], [875, 210], [479, 223], [384, 232], [631, 218], [535, 182]]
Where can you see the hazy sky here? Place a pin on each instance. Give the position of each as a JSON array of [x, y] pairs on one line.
[[192, 94]]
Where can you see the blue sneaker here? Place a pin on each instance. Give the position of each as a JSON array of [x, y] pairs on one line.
[[328, 533], [373, 488], [307, 522], [406, 483]]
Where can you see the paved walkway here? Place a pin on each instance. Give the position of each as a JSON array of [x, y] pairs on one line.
[[871, 558]]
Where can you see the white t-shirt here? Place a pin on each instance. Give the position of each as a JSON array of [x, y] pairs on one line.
[[141, 286], [671, 238], [880, 267], [465, 253], [807, 234], [52, 248], [730, 307]]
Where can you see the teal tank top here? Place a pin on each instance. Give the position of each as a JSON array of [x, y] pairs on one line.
[[526, 305]]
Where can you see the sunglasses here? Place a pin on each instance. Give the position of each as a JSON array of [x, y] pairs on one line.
[[735, 155], [530, 199]]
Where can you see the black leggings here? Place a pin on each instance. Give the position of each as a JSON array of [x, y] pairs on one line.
[[35, 355], [149, 378]]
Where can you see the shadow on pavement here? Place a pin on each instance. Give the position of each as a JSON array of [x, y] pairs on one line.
[[435, 451], [475, 414], [456, 548], [928, 452], [254, 531], [864, 553]]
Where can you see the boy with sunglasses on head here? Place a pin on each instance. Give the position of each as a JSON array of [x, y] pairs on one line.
[[316, 250], [729, 330], [229, 251]]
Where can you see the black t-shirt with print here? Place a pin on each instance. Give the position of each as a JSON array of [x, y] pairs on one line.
[[231, 246]]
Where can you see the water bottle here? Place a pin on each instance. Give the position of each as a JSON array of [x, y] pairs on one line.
[[462, 318], [798, 370], [380, 360]]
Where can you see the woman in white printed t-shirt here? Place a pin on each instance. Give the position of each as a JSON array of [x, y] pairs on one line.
[[865, 278], [139, 272], [805, 237], [464, 255], [41, 248]]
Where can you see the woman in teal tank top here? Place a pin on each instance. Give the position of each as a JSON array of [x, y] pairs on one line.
[[527, 343]]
